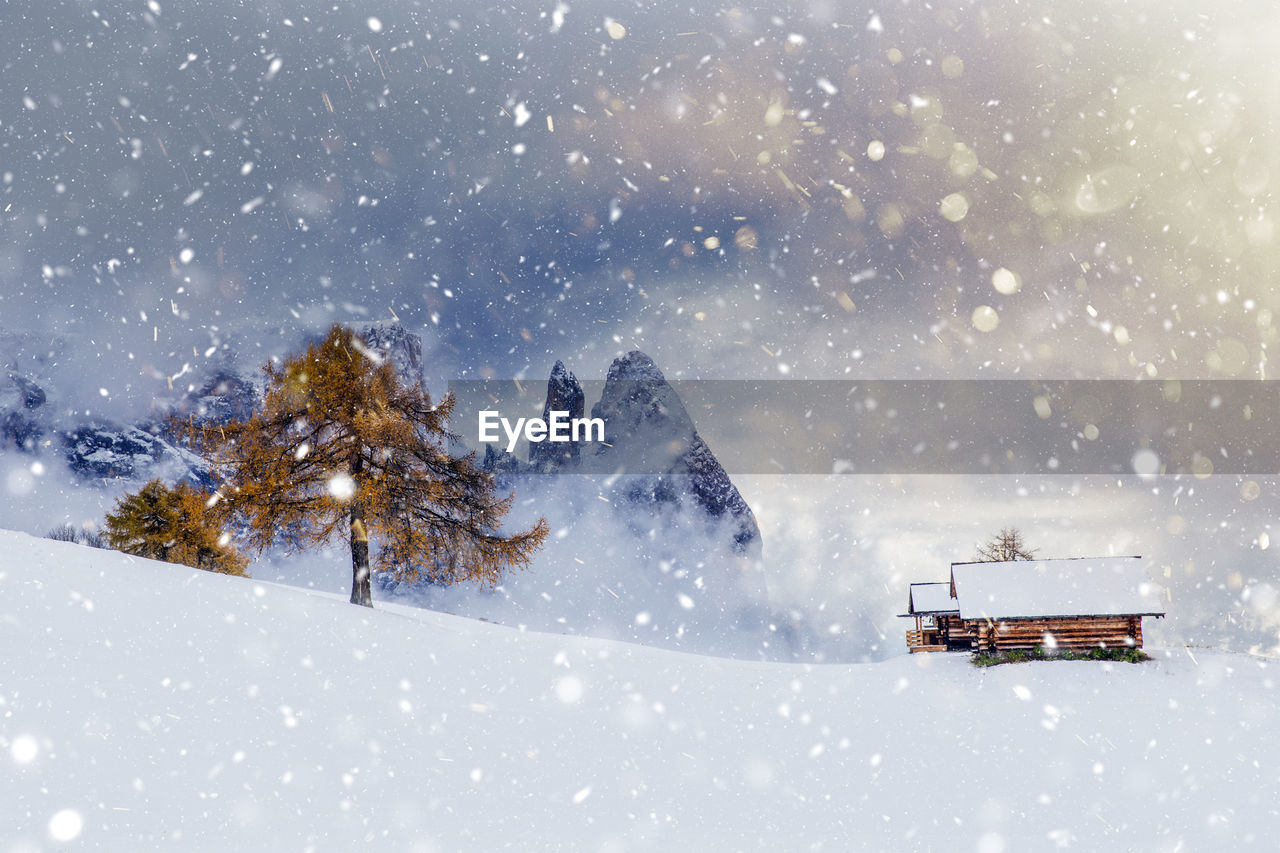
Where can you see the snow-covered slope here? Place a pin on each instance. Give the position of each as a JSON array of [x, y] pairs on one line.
[[150, 706]]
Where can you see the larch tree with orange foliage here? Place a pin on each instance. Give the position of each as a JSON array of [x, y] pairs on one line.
[[344, 449], [176, 525]]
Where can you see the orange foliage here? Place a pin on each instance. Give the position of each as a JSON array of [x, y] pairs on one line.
[[344, 449], [176, 525]]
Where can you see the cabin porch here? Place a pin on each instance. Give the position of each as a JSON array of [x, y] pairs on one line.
[[926, 636]]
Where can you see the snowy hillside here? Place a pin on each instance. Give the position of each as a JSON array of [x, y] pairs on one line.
[[150, 706]]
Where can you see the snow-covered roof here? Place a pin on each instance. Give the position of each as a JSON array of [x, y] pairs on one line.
[[930, 598], [1094, 586]]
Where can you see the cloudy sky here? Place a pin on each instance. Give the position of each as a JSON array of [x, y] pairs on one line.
[[788, 190]]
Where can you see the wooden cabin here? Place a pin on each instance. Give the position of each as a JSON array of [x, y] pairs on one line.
[[1080, 603]]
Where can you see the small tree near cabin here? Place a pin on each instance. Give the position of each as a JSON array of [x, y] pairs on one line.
[[1008, 544], [176, 525], [343, 449]]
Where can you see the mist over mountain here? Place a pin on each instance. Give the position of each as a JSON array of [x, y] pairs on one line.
[[652, 453], [663, 550]]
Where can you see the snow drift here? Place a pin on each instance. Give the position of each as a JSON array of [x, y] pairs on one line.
[[146, 705]]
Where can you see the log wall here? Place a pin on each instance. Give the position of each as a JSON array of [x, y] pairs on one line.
[[1076, 632], [955, 632]]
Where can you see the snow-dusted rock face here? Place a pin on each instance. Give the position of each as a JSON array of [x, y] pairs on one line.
[[31, 394], [158, 446], [564, 394], [503, 466], [223, 397], [402, 347], [36, 419], [651, 435], [104, 451], [22, 412]]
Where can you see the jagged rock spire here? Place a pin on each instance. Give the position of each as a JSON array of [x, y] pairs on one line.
[[564, 394], [651, 434]]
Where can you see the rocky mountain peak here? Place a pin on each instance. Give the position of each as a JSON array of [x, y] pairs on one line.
[[223, 397], [400, 346], [564, 394], [635, 366], [652, 436], [645, 420], [692, 533]]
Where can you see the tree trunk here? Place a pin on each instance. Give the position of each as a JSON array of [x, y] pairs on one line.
[[360, 591]]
